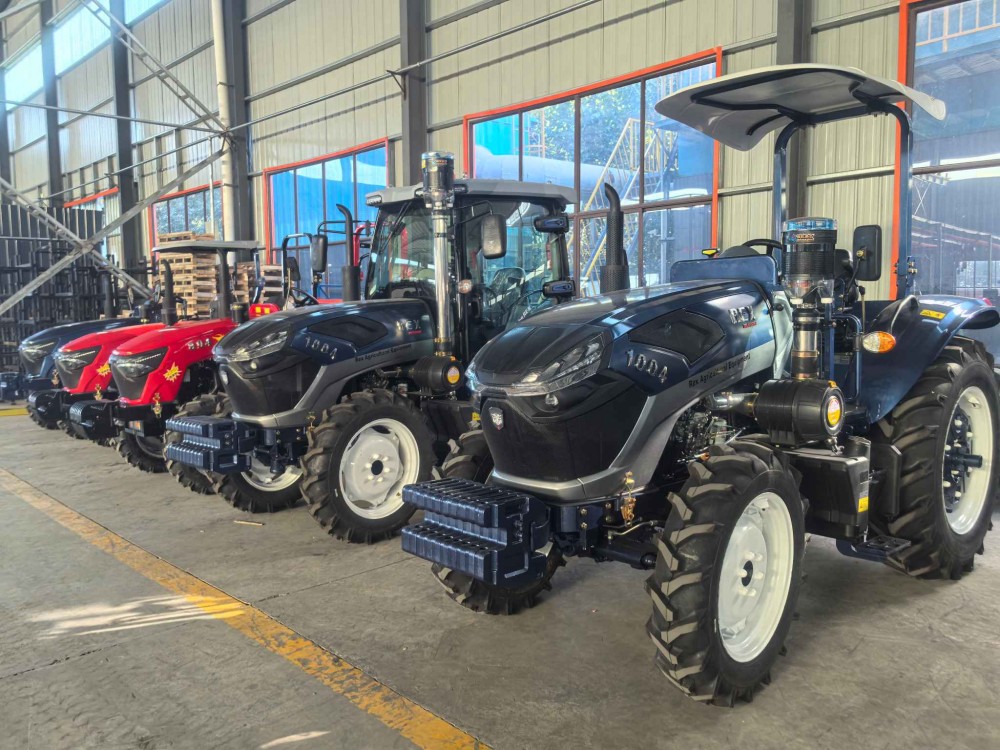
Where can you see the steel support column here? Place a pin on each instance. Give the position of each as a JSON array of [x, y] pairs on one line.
[[231, 50], [413, 49], [51, 94], [128, 193], [794, 32], [4, 139]]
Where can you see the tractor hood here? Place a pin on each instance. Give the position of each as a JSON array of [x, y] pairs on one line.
[[329, 333], [37, 350], [683, 320]]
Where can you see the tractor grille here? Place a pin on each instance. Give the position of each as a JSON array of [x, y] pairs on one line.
[[558, 451], [275, 391], [68, 378]]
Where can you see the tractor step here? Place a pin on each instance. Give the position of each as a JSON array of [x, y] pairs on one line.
[[876, 549], [489, 533], [215, 444]]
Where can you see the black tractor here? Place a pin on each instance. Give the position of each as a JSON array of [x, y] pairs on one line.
[[700, 429], [344, 404]]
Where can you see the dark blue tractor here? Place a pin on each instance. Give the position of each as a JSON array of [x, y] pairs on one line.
[[701, 429]]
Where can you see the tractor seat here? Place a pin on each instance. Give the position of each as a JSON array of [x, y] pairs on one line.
[[739, 251]]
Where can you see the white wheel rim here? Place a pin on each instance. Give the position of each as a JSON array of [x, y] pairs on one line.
[[380, 459], [970, 437], [756, 576], [260, 477]]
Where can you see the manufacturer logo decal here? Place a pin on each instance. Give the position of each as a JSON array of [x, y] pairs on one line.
[[496, 417], [646, 364], [742, 316], [104, 369], [172, 374]]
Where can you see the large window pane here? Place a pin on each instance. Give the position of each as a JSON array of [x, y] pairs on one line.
[[610, 145], [282, 206], [339, 189], [177, 208], [371, 176], [593, 251], [162, 218], [495, 148], [549, 152], [679, 161], [673, 234], [217, 200], [954, 60], [196, 213]]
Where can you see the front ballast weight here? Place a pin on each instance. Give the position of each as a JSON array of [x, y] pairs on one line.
[[489, 533], [226, 446]]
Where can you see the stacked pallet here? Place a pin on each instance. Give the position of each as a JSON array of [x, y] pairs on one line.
[[195, 280], [247, 280]]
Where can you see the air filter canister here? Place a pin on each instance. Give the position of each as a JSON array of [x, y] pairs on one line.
[[810, 258], [796, 412]]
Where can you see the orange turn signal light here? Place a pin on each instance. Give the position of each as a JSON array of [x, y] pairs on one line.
[[878, 342]]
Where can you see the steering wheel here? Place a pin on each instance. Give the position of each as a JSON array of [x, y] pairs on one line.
[[771, 245], [299, 298], [507, 277]]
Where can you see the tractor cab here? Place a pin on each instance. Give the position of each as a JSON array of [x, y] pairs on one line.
[[509, 244]]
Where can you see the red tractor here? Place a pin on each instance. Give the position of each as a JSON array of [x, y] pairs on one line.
[[158, 371]]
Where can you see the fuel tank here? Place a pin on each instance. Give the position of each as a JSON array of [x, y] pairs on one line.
[[574, 397]]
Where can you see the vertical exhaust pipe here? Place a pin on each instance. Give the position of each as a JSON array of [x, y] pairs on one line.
[[614, 272], [350, 272], [225, 292], [168, 314], [439, 196], [109, 296]]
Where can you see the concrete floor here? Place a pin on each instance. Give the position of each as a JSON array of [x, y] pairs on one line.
[[94, 655]]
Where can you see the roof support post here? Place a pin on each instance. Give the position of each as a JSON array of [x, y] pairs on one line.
[[127, 189], [793, 46], [51, 95], [413, 49]]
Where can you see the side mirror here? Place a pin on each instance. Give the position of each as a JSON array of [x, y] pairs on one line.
[[292, 269], [318, 245], [559, 288], [868, 252], [493, 236], [555, 224]]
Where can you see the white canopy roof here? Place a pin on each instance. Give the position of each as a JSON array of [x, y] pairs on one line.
[[741, 108]]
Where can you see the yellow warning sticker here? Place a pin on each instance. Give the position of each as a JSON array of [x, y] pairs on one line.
[[863, 504], [475, 416], [935, 314]]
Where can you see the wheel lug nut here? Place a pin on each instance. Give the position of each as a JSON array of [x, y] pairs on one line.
[[947, 485], [958, 422], [758, 576]]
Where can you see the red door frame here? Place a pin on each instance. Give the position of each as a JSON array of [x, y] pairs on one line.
[[688, 61], [90, 198]]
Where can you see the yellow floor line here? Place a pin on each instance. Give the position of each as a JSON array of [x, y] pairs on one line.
[[417, 724], [17, 411]]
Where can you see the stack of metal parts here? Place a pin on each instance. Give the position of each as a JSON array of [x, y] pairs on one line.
[[27, 248]]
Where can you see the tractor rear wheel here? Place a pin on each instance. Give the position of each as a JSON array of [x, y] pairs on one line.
[[194, 479], [946, 430], [361, 454], [145, 453], [470, 459], [67, 427], [727, 573]]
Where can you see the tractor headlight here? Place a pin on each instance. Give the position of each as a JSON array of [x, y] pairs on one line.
[[36, 352], [579, 363], [133, 366], [270, 343], [73, 361]]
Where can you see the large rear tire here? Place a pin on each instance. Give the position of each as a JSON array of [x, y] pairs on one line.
[[361, 454], [146, 454], [727, 573], [194, 479], [470, 459], [947, 420]]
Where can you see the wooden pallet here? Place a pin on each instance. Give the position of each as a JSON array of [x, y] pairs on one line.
[[187, 236]]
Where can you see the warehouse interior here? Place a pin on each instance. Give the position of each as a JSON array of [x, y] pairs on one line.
[[226, 164]]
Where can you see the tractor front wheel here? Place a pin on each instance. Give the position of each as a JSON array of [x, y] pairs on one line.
[[361, 454], [470, 459], [47, 423], [946, 430], [145, 453], [194, 479], [727, 573]]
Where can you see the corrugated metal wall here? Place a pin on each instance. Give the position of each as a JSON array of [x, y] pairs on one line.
[[294, 49]]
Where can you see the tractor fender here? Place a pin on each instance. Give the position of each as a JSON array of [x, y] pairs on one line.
[[923, 326]]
